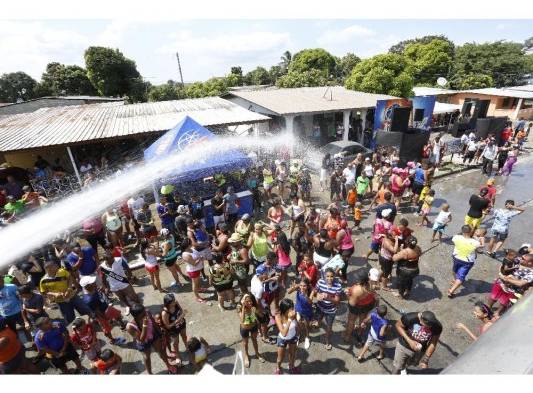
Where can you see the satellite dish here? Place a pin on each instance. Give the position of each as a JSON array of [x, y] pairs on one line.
[[442, 81]]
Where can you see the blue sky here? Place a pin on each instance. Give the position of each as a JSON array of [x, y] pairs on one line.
[[210, 47]]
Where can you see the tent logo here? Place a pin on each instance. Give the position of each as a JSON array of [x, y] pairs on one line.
[[190, 138]]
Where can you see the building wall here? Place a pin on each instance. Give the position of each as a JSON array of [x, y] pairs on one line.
[[26, 159], [496, 103], [32, 106]]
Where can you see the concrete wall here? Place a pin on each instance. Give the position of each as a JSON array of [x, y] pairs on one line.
[[32, 106], [496, 103]]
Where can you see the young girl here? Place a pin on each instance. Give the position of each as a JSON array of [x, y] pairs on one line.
[[249, 327], [173, 318], [485, 315], [426, 208], [150, 252], [509, 163], [195, 264], [442, 220], [288, 335], [108, 363], [304, 308], [357, 215], [198, 350]]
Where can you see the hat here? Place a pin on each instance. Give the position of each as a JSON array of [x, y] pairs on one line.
[[490, 181], [167, 189], [261, 269], [164, 232], [235, 238], [258, 225], [386, 212], [182, 209], [374, 274], [87, 280], [245, 217], [367, 159]]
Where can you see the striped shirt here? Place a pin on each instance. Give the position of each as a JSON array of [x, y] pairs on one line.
[[327, 306]]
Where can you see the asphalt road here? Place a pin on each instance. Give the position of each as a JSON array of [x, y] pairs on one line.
[[221, 329]]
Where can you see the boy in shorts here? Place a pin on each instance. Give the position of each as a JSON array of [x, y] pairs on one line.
[[379, 327], [442, 220], [83, 336]]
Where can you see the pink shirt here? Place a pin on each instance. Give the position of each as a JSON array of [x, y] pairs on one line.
[[94, 224]]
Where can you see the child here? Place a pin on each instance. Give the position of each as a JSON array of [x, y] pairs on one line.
[[379, 326], [83, 337], [479, 235], [403, 231], [426, 207], [108, 362], [198, 349], [442, 220], [308, 270], [423, 194], [351, 198], [105, 313], [165, 339], [374, 276], [357, 215]]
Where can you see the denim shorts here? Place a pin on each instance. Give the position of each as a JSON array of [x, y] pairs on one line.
[[328, 317], [282, 343]]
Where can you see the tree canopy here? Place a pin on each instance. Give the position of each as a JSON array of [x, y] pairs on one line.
[[345, 65], [313, 59], [59, 79], [385, 74], [209, 88], [429, 60], [259, 76], [111, 73], [15, 85], [309, 78], [400, 46], [166, 92]]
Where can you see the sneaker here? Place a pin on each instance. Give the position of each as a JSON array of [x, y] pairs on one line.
[[119, 341], [403, 372], [307, 343]]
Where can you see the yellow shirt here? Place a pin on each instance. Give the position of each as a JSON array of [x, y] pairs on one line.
[[59, 283], [428, 201], [424, 192]]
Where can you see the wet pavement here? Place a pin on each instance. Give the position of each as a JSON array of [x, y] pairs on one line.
[[221, 329]]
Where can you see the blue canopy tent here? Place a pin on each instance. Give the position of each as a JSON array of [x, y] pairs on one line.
[[190, 133]]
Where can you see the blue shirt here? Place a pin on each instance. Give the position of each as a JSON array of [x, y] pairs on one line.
[[88, 266], [303, 306], [327, 306], [52, 339], [376, 324], [166, 218], [10, 304], [231, 203], [95, 302], [419, 176]]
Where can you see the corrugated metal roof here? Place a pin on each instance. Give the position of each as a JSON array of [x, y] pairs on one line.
[[68, 98], [522, 88], [309, 99], [74, 124], [431, 91], [503, 92]]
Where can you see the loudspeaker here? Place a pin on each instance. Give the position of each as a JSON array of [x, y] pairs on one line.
[[491, 125], [458, 129], [467, 106], [481, 109], [400, 119], [482, 128], [419, 114]]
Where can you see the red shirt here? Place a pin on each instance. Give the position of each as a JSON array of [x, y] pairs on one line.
[[506, 134], [491, 194], [84, 337], [312, 273]]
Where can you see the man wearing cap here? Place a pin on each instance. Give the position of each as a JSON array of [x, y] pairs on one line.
[[59, 286], [479, 204]]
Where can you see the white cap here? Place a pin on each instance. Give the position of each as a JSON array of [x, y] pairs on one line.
[[182, 209], [164, 232], [87, 280], [386, 212], [373, 274]]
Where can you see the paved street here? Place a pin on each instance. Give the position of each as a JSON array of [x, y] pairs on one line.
[[221, 329]]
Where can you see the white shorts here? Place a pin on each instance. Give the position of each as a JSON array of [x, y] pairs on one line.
[[323, 174], [320, 260], [218, 219]]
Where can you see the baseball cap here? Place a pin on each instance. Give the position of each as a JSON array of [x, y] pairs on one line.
[[164, 232], [374, 274], [386, 212], [245, 217], [87, 280], [260, 270]]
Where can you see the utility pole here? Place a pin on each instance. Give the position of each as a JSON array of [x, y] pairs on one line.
[[179, 67]]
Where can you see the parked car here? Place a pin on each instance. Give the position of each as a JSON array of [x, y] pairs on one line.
[[348, 149]]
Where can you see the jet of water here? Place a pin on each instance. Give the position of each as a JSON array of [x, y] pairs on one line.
[[30, 233]]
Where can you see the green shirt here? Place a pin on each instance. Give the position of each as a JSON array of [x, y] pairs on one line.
[[16, 207], [362, 184]]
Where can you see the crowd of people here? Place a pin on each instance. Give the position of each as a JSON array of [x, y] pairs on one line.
[[284, 270]]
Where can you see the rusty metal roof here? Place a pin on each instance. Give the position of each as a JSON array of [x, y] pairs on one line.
[[86, 123]]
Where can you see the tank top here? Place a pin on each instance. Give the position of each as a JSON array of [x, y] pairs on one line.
[[276, 215], [267, 177], [249, 319], [174, 316], [221, 274], [172, 253], [149, 329], [284, 259], [112, 222], [369, 298], [296, 209], [385, 254], [408, 264], [321, 249], [259, 246], [346, 241], [332, 226], [150, 260], [395, 188], [291, 333]]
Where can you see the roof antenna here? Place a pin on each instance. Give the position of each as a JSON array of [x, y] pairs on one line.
[[330, 93]]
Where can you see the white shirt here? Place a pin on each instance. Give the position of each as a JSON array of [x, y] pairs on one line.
[[442, 218], [85, 168], [135, 205], [369, 170], [464, 139], [349, 174], [490, 152], [115, 270], [436, 148], [256, 288], [472, 146]]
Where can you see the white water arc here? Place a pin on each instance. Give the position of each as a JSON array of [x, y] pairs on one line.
[[24, 236]]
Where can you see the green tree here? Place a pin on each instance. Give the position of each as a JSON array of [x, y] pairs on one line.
[[60, 79], [17, 85], [286, 59], [258, 76], [429, 61], [275, 72], [166, 92], [505, 62], [313, 59], [400, 46], [345, 65], [529, 63], [528, 44], [309, 78], [210, 88], [234, 78], [385, 74], [113, 74], [475, 81]]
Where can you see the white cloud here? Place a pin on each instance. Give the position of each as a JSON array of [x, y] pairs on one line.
[[225, 50], [333, 37], [500, 26]]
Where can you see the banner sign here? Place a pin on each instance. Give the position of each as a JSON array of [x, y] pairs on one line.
[[424, 104], [384, 109]]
